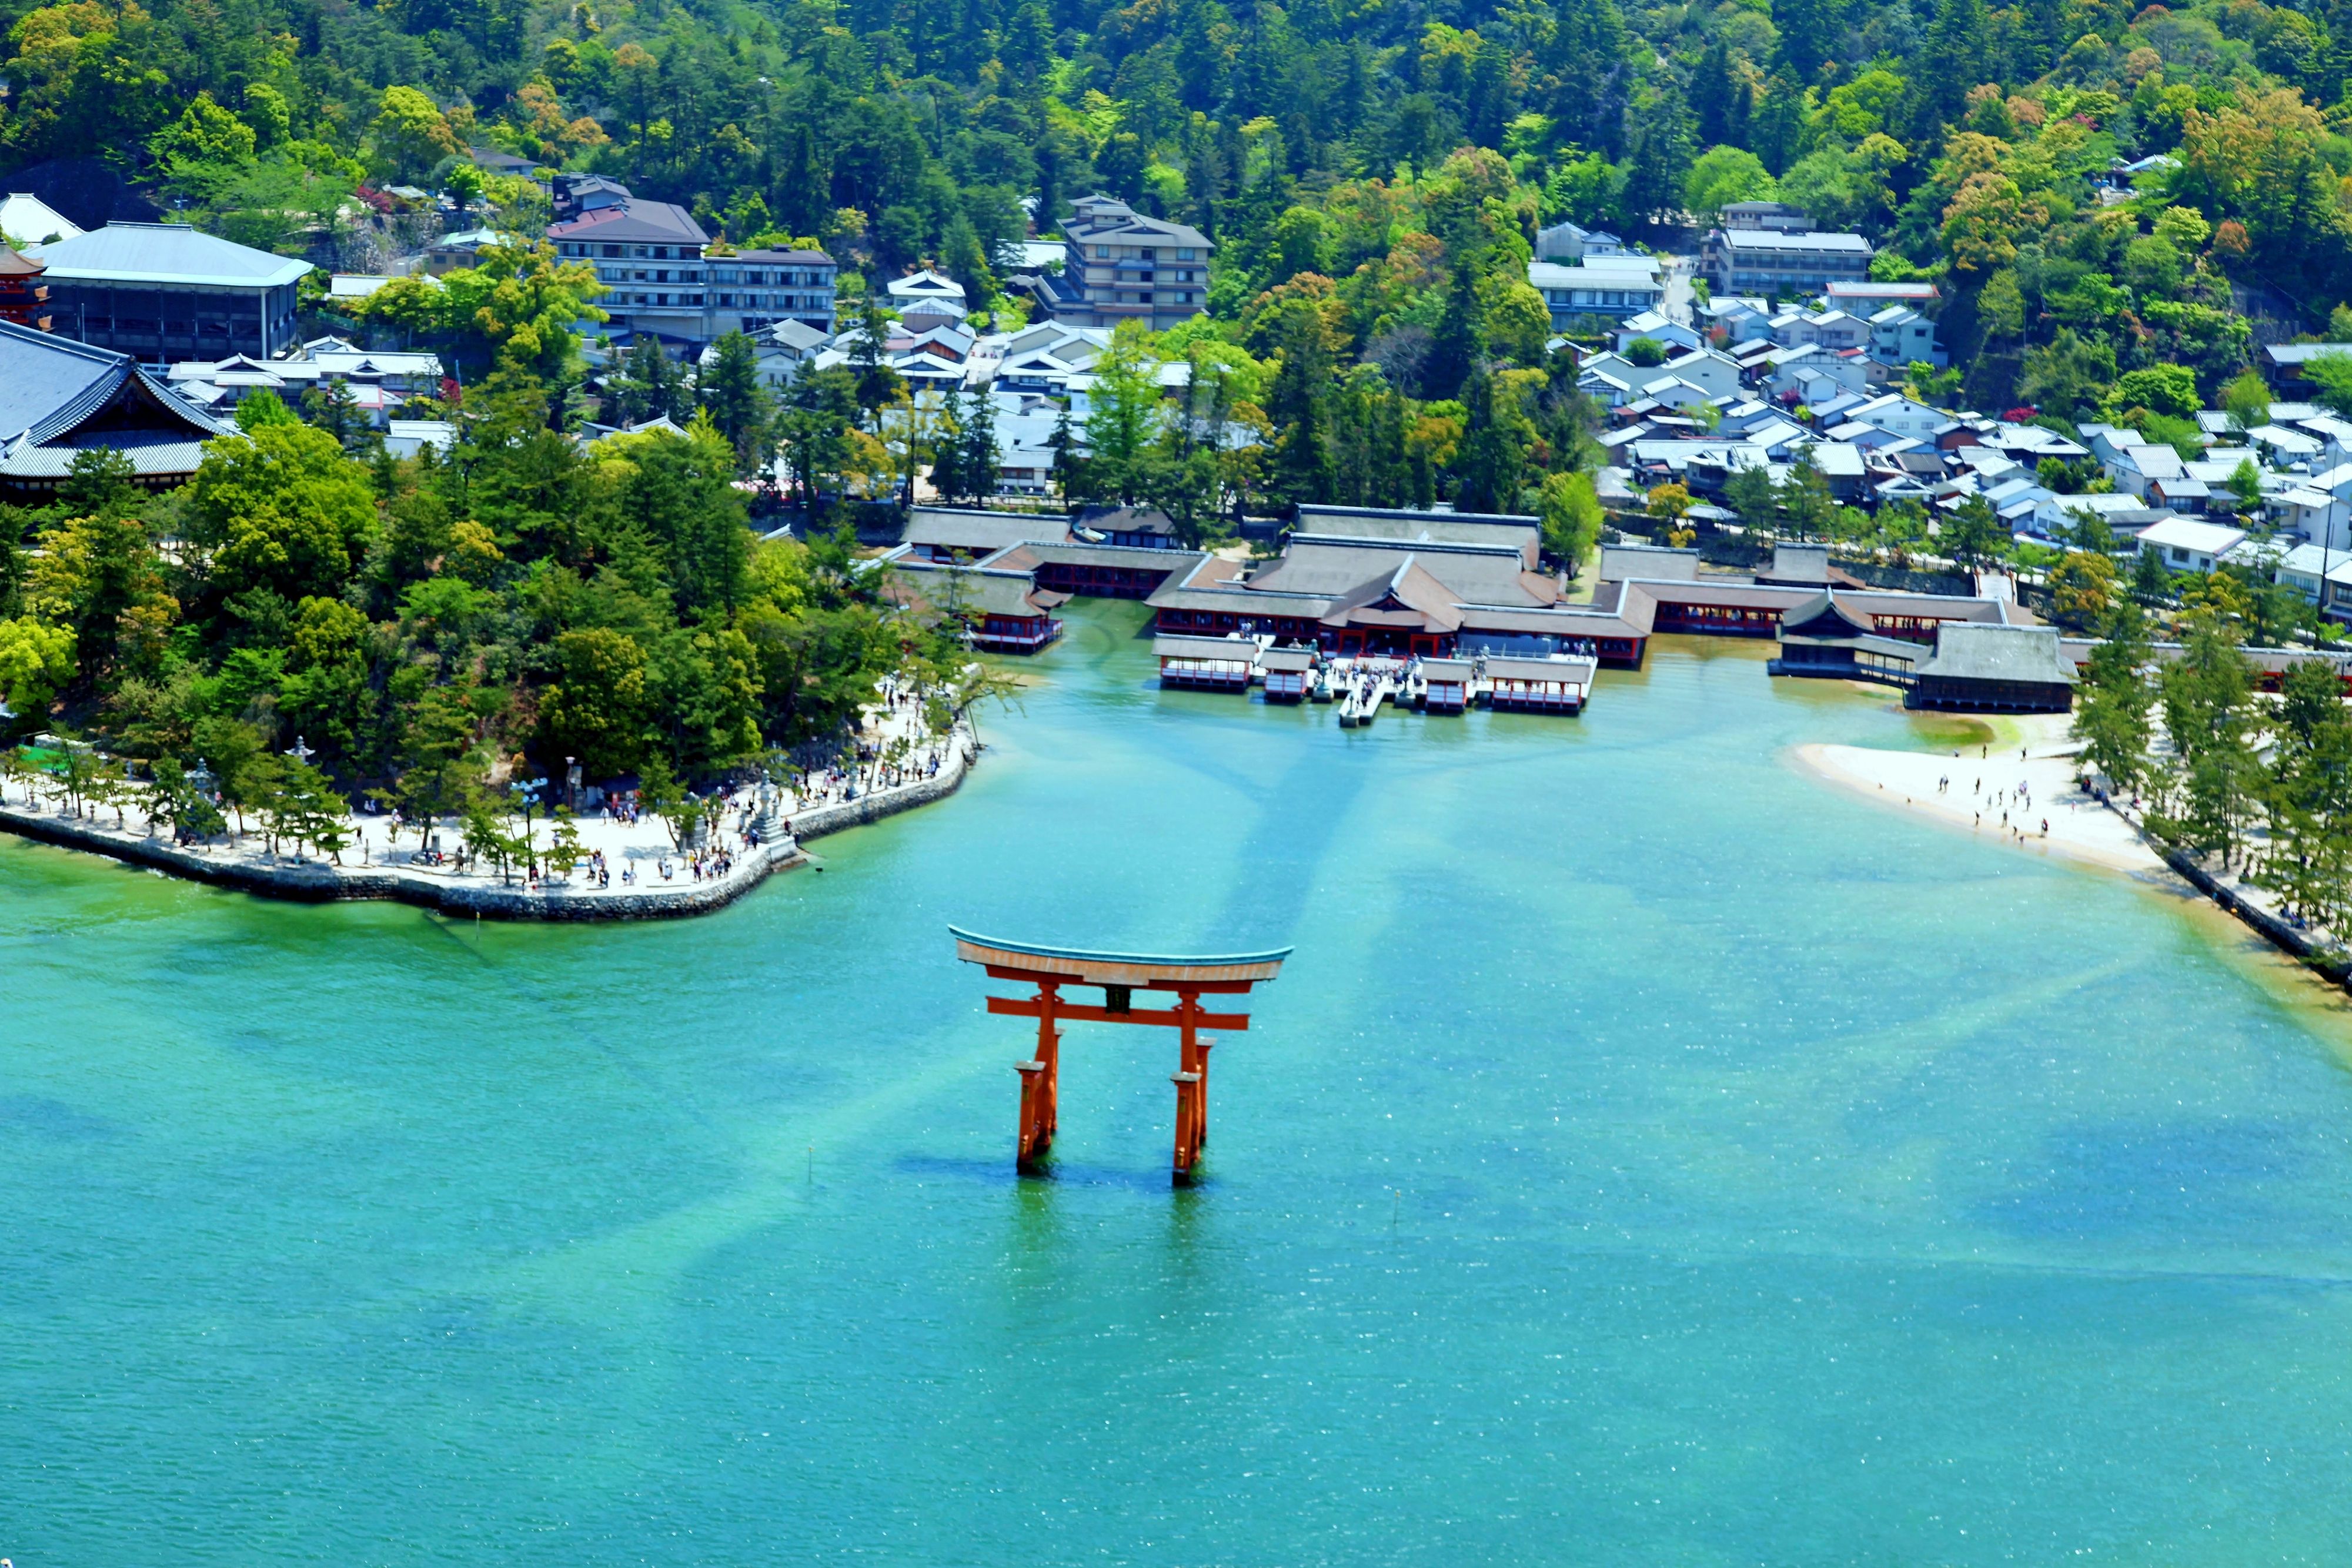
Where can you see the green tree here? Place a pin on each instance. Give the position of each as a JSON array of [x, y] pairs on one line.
[[2247, 401], [1973, 534], [410, 134], [1571, 519], [732, 393], [207, 139], [2330, 375], [260, 408], [1750, 493], [2114, 706], [1804, 494], [516, 307], [2169, 389], [280, 508], [1722, 175]]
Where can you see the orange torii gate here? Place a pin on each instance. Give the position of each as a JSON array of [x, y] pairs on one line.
[[1120, 976]]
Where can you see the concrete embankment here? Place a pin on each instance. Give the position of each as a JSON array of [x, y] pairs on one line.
[[317, 882]]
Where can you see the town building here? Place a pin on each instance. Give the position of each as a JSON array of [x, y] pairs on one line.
[[2286, 361], [2322, 575], [1772, 262], [1566, 242], [1124, 267], [378, 380], [1775, 217], [1902, 337], [648, 256], [751, 290], [1599, 291], [29, 222], [161, 292], [2185, 546], [464, 248], [661, 277], [61, 396]]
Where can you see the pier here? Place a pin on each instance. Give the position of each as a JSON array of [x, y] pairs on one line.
[[1361, 687]]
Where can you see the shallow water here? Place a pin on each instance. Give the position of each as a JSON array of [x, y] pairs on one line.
[[1649, 1155]]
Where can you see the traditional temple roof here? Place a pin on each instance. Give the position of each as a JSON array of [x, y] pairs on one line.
[[60, 396], [1822, 617], [2027, 654]]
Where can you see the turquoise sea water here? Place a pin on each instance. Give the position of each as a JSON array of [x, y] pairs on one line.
[[1649, 1156]]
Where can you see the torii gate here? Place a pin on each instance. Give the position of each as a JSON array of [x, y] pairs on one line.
[[1120, 976]]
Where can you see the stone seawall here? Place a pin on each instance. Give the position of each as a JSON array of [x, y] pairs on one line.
[[2326, 961], [315, 882]]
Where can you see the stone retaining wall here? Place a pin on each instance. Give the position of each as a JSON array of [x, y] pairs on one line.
[[2321, 960], [319, 884]]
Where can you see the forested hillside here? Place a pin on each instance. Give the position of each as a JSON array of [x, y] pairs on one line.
[[1305, 141], [1373, 178]]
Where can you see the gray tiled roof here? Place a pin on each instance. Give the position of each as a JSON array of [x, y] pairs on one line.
[[1981, 653], [661, 223], [166, 253], [49, 386], [1794, 244]]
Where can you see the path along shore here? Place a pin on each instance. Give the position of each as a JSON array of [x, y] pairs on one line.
[[385, 872], [2080, 827]]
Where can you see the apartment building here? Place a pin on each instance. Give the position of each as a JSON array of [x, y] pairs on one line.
[[1773, 263], [1123, 267], [661, 277]]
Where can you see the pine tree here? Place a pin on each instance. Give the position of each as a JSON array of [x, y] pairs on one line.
[[2114, 708], [946, 452], [730, 390], [1808, 34], [1658, 156], [1459, 344], [1718, 99], [1777, 132], [960, 258], [1303, 469], [1492, 461], [1954, 59], [977, 457]]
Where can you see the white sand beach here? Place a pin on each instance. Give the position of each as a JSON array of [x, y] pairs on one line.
[[1971, 793]]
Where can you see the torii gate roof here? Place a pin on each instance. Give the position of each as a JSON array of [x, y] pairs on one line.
[[1153, 971]]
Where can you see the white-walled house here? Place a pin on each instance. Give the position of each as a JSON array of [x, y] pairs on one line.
[[2186, 546], [1900, 334], [2134, 468], [2322, 576], [1672, 335], [1899, 415]]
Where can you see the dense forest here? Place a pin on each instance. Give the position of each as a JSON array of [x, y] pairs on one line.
[[1373, 177]]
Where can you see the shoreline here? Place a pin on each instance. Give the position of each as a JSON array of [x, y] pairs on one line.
[[315, 881], [2082, 828]]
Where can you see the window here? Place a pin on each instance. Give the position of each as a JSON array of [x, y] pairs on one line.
[[2179, 553], [612, 250], [1186, 255], [1102, 252]]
